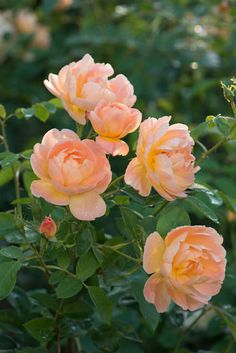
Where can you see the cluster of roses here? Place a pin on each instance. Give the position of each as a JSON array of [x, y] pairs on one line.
[[189, 265]]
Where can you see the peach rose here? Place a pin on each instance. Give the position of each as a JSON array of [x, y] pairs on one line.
[[112, 122], [187, 267], [81, 85], [72, 172], [26, 22], [164, 160]]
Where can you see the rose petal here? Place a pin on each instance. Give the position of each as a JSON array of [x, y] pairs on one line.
[[113, 146], [87, 206], [153, 253], [155, 292], [45, 189], [135, 176]]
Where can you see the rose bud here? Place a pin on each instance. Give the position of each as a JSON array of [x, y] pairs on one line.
[[48, 227]]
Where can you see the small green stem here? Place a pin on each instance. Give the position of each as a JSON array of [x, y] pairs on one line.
[[79, 130], [218, 144], [120, 253]]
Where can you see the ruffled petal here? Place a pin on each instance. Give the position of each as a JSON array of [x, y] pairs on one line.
[[135, 176], [87, 206], [113, 146], [153, 253], [45, 189]]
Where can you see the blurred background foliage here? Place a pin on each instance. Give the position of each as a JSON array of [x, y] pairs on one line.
[[175, 53]]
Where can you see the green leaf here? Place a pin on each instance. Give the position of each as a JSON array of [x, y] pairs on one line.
[[212, 194], [41, 112], [46, 300], [26, 113], [202, 208], [68, 287], [3, 112], [224, 124], [199, 130], [51, 108], [133, 228], [102, 303], [56, 277], [27, 153], [41, 328], [63, 259], [9, 159], [170, 218], [7, 223], [121, 200], [6, 175], [84, 241], [22, 201], [229, 201], [86, 266], [12, 252], [149, 313], [8, 272], [57, 102], [28, 177]]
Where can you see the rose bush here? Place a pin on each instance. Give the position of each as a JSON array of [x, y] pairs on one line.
[[93, 270]]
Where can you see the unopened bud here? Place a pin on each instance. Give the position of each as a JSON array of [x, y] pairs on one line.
[[228, 93], [48, 227]]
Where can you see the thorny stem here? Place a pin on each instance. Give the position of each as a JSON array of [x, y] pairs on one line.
[[15, 171]]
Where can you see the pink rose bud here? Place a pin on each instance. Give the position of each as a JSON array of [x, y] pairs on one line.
[[187, 267], [48, 227], [163, 160]]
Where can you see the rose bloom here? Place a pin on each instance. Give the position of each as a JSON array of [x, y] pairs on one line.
[[187, 267], [112, 122], [26, 22], [63, 4], [48, 227], [42, 38], [81, 85], [72, 172], [164, 160]]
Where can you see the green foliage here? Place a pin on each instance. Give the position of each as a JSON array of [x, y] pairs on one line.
[[83, 291], [102, 303]]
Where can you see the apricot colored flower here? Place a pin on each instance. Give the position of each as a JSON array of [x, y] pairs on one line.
[[187, 267], [112, 122], [81, 85], [48, 227], [164, 160], [72, 172], [26, 22]]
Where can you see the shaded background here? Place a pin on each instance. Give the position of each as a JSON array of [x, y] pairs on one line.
[[175, 53]]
